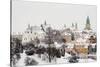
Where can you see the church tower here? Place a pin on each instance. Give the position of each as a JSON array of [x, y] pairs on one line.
[[76, 26], [29, 26], [88, 25], [72, 25]]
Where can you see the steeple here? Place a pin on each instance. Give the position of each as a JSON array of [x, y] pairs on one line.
[[65, 26], [29, 26], [87, 20], [72, 25], [88, 25], [76, 26], [45, 23]]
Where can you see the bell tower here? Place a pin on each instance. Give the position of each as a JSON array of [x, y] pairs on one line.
[[88, 25]]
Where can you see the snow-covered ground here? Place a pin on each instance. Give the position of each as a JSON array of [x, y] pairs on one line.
[[62, 60]]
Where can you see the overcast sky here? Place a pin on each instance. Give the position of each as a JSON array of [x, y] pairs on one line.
[[35, 13]]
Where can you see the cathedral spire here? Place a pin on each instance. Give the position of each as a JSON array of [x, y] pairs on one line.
[[45, 23], [76, 26], [87, 20], [72, 25], [88, 25], [65, 26], [29, 26]]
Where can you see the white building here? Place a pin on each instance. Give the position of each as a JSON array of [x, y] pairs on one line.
[[31, 33]]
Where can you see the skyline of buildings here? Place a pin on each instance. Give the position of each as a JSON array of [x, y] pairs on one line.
[[87, 26], [35, 13]]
